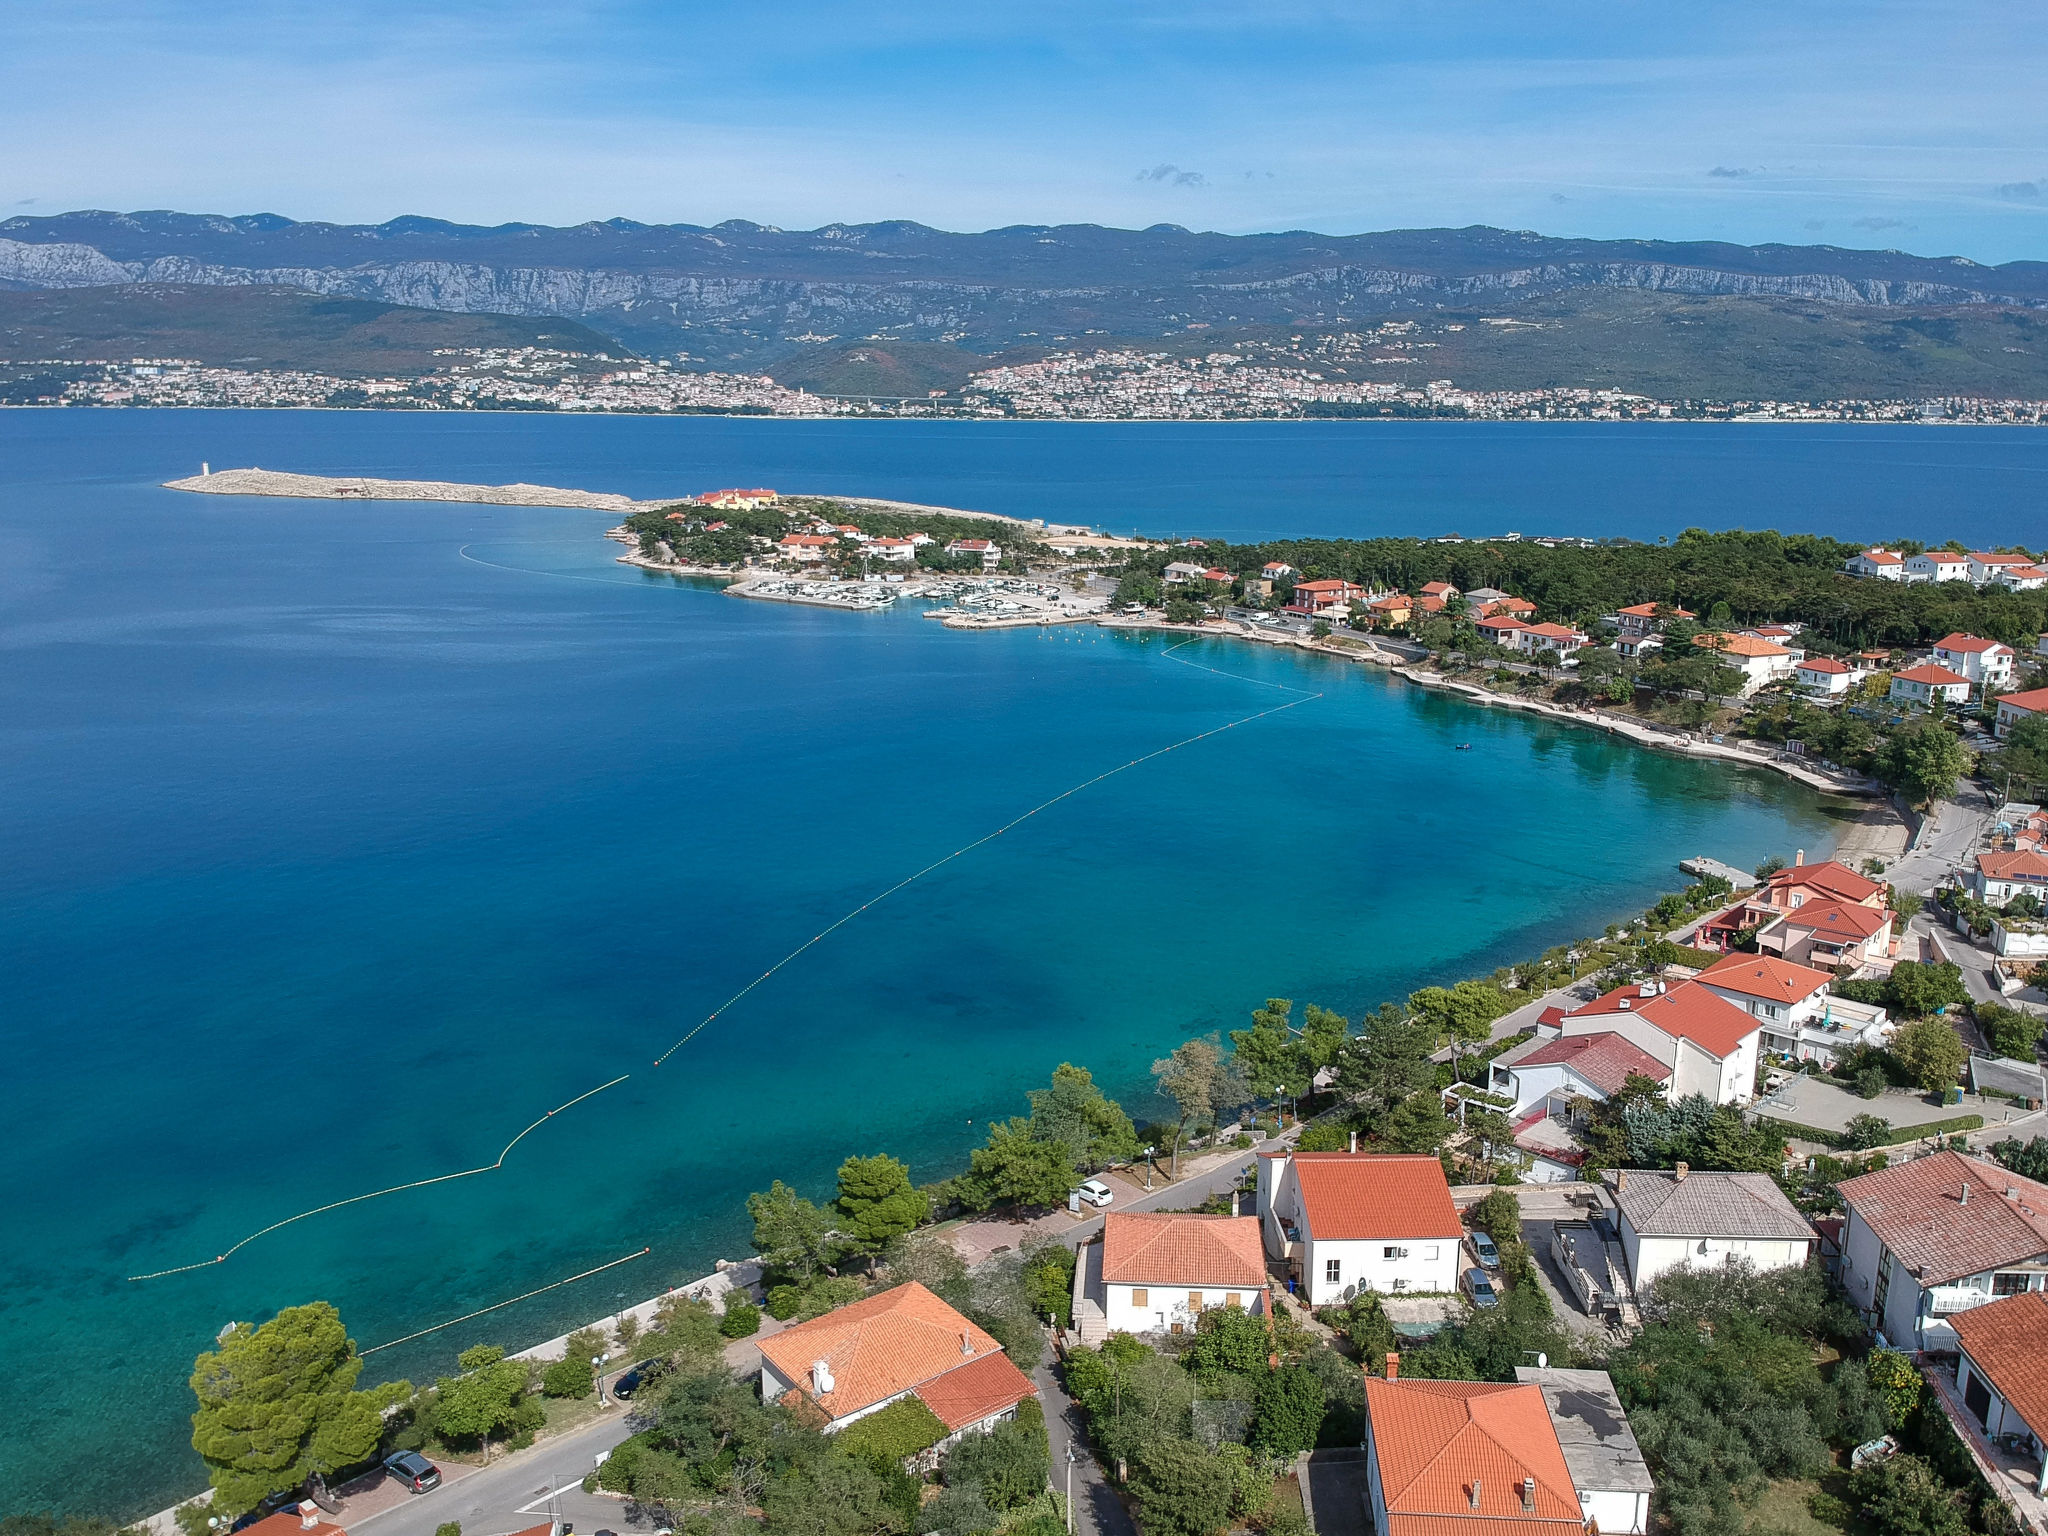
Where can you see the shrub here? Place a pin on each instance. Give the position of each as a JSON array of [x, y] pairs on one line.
[[569, 1377], [1290, 1412], [1010, 1464], [741, 1319], [900, 1430], [1902, 1496], [448, 1528], [1871, 1083]]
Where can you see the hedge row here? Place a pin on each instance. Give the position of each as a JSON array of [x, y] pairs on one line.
[[1898, 1133]]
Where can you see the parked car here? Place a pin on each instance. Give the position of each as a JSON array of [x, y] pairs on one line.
[[414, 1470], [631, 1381], [1095, 1192], [1489, 1255], [1480, 1289]]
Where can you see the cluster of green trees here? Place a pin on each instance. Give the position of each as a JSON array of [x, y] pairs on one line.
[[691, 538], [1199, 1429]]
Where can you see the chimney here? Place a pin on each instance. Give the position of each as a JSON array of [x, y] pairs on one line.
[[1798, 858], [1475, 1493], [1966, 1193], [1393, 1365], [1354, 1143], [821, 1378], [1620, 1180], [2012, 1191], [309, 1515], [1682, 1170], [1528, 1495], [966, 1342]]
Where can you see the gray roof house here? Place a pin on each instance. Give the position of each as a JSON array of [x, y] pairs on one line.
[[1677, 1218], [1600, 1450]]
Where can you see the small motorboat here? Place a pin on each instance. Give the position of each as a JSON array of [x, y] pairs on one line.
[[1464, 746]]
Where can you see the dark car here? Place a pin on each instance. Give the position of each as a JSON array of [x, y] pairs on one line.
[[414, 1470], [1483, 1245], [631, 1381], [1480, 1289]]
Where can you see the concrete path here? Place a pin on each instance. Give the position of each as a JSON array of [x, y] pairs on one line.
[[1097, 1509]]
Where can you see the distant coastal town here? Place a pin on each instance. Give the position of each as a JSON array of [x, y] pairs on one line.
[[1119, 385]]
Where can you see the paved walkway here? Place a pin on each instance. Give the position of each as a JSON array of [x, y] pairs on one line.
[[1097, 1509], [1806, 1100]]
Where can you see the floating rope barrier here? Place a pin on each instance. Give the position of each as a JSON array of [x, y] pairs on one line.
[[497, 1305], [378, 1194], [989, 837]]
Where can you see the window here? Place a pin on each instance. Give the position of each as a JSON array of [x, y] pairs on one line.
[[1195, 1302], [1233, 1299], [1432, 1253], [2010, 1285], [1140, 1297], [1333, 1271], [1391, 1253]]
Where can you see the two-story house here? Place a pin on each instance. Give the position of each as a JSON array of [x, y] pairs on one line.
[[1759, 661], [1986, 566], [1928, 684], [1827, 677], [1447, 1457], [1158, 1272], [1938, 565], [1546, 1074], [1999, 877], [1985, 663], [1924, 1240], [1346, 1222], [1709, 1044], [1608, 1470], [2015, 707], [1826, 934], [1884, 564]]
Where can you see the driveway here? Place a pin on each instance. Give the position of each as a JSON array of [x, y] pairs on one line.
[[1097, 1509]]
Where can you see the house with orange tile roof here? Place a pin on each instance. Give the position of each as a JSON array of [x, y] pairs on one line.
[[1439, 589], [302, 1519], [1884, 564], [1927, 683], [1999, 877], [805, 547], [1770, 988], [1759, 661], [1443, 1458], [1787, 890], [1346, 1222], [1825, 676], [1646, 618], [1927, 1239], [1560, 638], [1502, 629], [2002, 1370], [1158, 1272], [860, 1358], [1827, 934], [2015, 707], [1709, 1044], [1985, 564], [1546, 1075], [2020, 578], [1986, 663], [1502, 606], [1328, 596], [1937, 565], [757, 497]]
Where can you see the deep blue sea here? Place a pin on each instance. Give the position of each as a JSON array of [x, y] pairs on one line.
[[339, 842]]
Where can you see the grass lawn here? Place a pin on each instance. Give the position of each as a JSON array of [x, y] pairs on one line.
[[1783, 1509]]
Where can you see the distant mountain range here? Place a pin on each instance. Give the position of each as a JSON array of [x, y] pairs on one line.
[[814, 303]]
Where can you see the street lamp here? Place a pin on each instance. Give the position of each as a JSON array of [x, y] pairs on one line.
[[1148, 1165], [597, 1363], [1071, 1459]]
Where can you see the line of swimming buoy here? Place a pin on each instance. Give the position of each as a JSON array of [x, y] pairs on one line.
[[989, 837], [377, 1194], [496, 1305]]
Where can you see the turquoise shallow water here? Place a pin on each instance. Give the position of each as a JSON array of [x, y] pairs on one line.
[[329, 858]]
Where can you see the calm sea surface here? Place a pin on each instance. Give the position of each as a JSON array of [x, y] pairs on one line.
[[338, 843]]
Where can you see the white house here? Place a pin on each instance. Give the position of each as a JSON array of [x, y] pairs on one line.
[[895, 551], [2021, 578], [1826, 676], [1180, 572], [1926, 683], [2015, 707], [1443, 1458], [1884, 564], [1999, 877], [1545, 1075], [1938, 565], [1159, 1272], [905, 1342], [1680, 1219], [1926, 1239], [808, 548], [1984, 662], [1986, 566], [1998, 1374], [1608, 1470], [1772, 990], [1345, 1222], [1550, 637], [991, 554], [1759, 661], [1643, 619], [1709, 1044]]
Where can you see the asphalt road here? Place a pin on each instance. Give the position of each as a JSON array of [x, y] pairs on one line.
[[512, 1493]]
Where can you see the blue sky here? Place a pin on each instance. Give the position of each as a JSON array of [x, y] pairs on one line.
[[1922, 126]]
